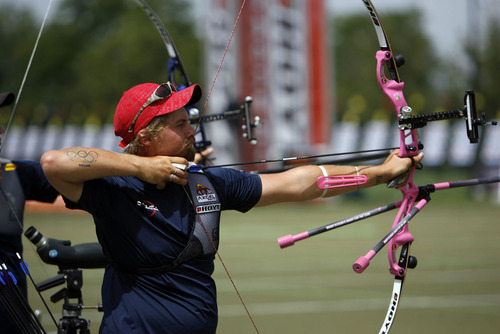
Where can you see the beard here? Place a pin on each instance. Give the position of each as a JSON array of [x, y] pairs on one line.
[[190, 153]]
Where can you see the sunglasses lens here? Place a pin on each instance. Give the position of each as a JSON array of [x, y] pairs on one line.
[[163, 91]]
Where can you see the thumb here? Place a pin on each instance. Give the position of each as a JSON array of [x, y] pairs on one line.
[[419, 157]]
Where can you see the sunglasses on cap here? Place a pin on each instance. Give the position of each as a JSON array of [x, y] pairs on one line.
[[161, 92]]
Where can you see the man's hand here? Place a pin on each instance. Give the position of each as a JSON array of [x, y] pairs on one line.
[[160, 170], [201, 157], [395, 166]]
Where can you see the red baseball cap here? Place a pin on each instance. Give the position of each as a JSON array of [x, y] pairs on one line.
[[134, 98]]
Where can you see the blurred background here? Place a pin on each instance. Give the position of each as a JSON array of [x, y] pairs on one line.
[[310, 68]]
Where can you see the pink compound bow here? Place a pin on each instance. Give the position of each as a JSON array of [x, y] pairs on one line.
[[414, 197]]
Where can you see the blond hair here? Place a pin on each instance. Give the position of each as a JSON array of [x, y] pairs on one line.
[[157, 124]]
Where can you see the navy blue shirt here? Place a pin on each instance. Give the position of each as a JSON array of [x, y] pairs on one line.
[[143, 227], [21, 180]]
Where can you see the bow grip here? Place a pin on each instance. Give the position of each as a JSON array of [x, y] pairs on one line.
[[400, 180]]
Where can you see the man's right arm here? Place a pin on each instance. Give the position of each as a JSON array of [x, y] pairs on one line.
[[68, 169]]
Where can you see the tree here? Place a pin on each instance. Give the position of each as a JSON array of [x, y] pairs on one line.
[[489, 71], [18, 35], [92, 51], [355, 43]]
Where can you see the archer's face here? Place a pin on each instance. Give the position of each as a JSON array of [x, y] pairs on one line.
[[177, 138]]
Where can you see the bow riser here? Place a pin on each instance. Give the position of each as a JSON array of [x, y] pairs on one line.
[[394, 91], [408, 148]]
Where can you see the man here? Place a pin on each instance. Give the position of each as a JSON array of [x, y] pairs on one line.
[[143, 207], [19, 181]]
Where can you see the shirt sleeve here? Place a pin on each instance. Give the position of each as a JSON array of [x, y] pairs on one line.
[[95, 195], [237, 190], [34, 183]]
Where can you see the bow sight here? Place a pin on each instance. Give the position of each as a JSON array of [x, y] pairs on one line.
[[244, 112], [174, 64], [406, 121]]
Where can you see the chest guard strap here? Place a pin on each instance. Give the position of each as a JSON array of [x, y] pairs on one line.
[[204, 237]]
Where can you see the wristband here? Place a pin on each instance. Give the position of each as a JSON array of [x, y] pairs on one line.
[[325, 174], [357, 174]]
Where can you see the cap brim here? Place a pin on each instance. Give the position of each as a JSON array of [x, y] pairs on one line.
[[183, 98], [196, 95]]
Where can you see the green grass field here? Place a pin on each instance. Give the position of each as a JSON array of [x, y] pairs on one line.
[[311, 288]]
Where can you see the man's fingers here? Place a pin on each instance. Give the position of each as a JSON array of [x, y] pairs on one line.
[[177, 179], [178, 176], [179, 166]]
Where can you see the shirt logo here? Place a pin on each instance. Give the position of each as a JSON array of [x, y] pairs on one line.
[[204, 194], [207, 208], [149, 207]]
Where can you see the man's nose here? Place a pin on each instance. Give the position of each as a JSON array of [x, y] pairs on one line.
[[190, 130]]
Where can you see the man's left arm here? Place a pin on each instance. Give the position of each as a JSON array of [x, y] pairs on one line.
[[299, 184]]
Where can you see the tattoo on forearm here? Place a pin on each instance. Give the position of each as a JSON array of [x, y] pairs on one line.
[[378, 179], [82, 157]]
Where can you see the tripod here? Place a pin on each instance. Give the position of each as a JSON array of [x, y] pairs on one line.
[[68, 258], [70, 323]]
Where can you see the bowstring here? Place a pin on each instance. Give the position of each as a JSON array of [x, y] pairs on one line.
[[28, 273], [197, 126], [222, 61], [26, 74], [198, 217], [9, 122]]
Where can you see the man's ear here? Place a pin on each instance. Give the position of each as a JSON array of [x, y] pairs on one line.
[[144, 137]]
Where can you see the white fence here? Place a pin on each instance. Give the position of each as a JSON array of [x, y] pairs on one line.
[[444, 143]]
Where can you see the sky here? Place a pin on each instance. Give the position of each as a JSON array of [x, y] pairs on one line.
[[447, 22]]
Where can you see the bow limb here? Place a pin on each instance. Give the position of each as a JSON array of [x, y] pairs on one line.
[[400, 237], [197, 118], [175, 65], [167, 40]]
